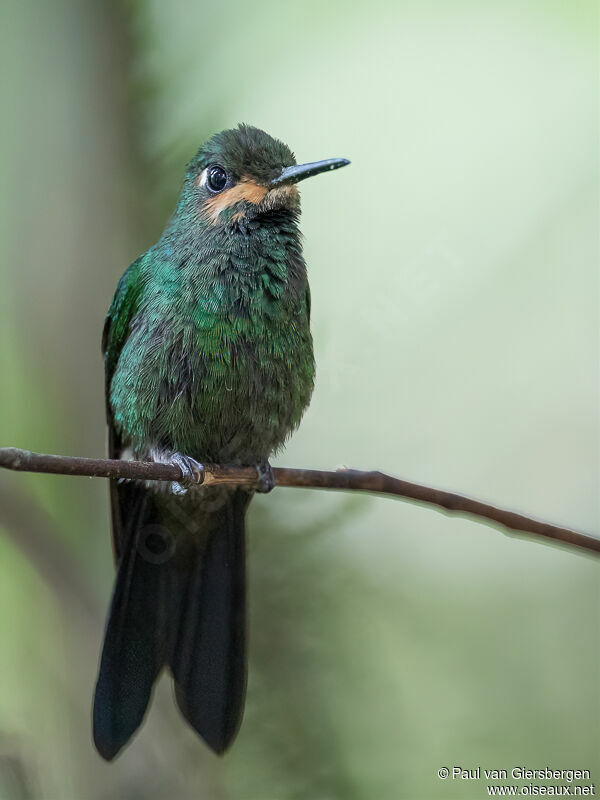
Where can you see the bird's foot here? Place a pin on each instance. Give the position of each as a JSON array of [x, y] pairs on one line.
[[265, 478], [191, 471]]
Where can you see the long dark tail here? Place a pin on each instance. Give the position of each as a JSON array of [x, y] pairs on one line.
[[179, 600]]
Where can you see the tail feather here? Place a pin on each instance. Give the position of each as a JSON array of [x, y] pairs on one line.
[[133, 651], [209, 658], [179, 600]]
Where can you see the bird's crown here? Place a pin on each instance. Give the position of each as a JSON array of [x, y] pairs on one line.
[[245, 151]]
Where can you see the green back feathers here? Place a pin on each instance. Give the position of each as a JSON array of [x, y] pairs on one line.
[[120, 314]]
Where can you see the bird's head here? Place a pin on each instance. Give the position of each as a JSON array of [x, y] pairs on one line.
[[243, 173]]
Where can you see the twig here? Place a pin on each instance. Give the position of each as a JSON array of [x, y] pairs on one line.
[[346, 479]]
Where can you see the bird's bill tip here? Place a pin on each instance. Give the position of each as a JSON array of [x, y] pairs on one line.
[[299, 172]]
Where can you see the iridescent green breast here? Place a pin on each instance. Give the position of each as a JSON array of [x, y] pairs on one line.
[[218, 370]]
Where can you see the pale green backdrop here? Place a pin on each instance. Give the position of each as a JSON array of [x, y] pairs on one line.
[[454, 273]]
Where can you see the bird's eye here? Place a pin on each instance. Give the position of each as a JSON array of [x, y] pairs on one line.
[[217, 179]]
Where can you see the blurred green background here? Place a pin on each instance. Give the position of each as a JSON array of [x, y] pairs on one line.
[[455, 315]]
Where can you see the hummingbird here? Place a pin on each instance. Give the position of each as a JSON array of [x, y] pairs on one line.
[[208, 359]]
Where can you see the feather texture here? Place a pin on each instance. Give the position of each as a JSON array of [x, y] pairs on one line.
[[208, 353]]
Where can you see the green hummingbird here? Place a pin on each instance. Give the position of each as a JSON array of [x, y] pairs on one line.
[[208, 359]]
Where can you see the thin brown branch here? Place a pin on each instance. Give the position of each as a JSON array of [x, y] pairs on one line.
[[345, 480]]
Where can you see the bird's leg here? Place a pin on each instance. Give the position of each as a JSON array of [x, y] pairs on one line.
[[191, 471], [266, 479]]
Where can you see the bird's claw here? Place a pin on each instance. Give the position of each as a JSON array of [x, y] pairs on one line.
[[191, 471], [265, 478]]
